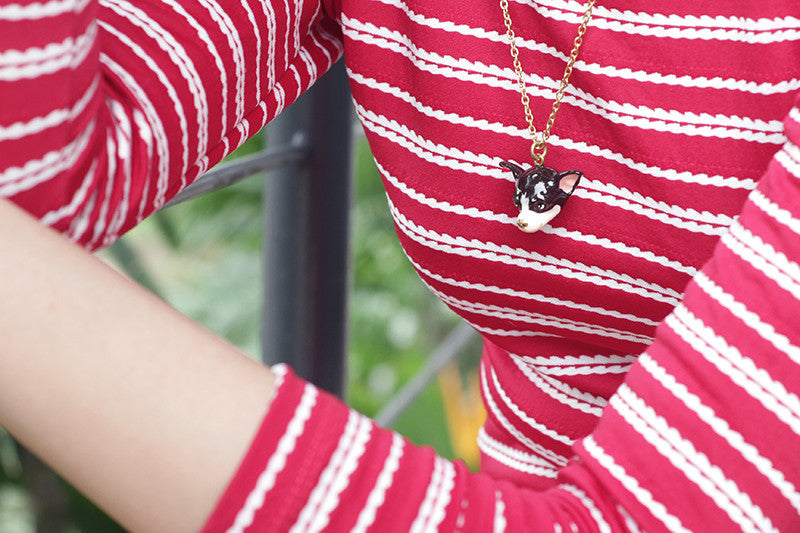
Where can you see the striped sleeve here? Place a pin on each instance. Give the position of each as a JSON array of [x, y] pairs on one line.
[[706, 428], [109, 108], [703, 434]]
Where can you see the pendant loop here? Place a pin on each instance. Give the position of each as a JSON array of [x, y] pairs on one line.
[[538, 151]]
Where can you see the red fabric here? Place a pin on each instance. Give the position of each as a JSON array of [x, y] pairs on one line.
[[674, 114]]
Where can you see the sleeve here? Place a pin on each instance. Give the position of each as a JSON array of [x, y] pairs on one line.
[[108, 108], [703, 435]]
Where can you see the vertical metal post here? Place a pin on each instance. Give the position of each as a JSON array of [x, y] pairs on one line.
[[306, 233]]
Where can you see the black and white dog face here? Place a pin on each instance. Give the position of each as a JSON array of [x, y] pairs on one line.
[[541, 193]]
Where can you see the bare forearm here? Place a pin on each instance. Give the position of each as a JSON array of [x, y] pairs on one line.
[[143, 410]]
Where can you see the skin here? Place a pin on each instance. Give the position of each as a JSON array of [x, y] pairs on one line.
[[144, 411]]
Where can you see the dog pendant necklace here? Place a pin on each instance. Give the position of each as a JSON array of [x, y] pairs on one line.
[[541, 191]]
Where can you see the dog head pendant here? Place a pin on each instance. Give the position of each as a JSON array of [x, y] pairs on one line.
[[541, 193]]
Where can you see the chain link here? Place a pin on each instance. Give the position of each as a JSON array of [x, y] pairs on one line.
[[539, 146]]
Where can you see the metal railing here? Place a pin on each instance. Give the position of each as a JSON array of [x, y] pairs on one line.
[[306, 229]]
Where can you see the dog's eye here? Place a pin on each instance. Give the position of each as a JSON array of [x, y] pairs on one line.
[[539, 206]]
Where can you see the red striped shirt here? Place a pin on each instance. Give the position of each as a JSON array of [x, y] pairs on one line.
[[680, 118]]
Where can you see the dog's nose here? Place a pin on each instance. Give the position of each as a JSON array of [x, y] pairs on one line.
[[521, 223]]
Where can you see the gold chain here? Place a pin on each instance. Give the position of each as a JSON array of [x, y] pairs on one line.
[[539, 146]]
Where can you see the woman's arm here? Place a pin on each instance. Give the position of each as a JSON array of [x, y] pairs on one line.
[[106, 112], [143, 410]]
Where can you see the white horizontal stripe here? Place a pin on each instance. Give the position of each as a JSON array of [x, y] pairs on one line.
[[582, 365], [723, 429], [487, 215], [573, 398], [39, 10], [763, 257], [69, 47], [690, 21], [668, 174], [780, 342], [571, 326], [779, 259], [740, 369], [438, 114], [668, 121], [529, 296], [513, 458], [620, 247], [652, 170], [559, 385], [645, 497], [277, 461], [700, 82], [35, 62], [450, 157], [682, 80], [35, 171], [736, 29], [499, 332], [651, 208], [532, 260], [579, 360], [377, 496], [525, 417], [546, 454], [690, 225], [656, 205], [585, 370], [56, 117], [694, 464], [771, 208], [638, 116], [485, 165]]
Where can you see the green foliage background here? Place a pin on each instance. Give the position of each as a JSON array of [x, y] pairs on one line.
[[204, 257]]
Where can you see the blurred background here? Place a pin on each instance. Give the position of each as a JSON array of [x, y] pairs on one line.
[[204, 257]]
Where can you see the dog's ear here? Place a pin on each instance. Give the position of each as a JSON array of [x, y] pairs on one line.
[[516, 170], [568, 180]]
